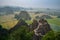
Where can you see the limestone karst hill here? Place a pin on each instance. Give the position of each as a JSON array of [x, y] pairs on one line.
[[40, 29]]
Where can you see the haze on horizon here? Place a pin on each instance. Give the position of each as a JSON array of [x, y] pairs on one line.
[[32, 3]]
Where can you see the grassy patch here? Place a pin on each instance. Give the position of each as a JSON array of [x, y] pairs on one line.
[[7, 21], [29, 22], [55, 21]]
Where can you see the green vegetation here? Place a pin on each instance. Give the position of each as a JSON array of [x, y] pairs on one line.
[[21, 33], [28, 21], [52, 36], [3, 33], [55, 21], [8, 20]]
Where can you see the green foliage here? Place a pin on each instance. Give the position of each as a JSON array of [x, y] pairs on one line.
[[28, 21], [3, 33], [57, 37], [21, 33], [51, 36]]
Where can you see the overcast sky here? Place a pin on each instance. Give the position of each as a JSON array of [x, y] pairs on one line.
[[32, 3]]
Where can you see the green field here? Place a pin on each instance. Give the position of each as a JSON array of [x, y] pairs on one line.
[[55, 21], [7, 21], [55, 24]]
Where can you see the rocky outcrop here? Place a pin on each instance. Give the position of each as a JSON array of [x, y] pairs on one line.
[[40, 29], [33, 25], [43, 27]]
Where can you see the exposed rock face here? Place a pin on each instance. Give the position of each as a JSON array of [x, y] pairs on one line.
[[42, 28], [33, 25]]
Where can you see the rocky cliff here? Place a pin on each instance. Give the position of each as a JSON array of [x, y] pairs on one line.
[[40, 29]]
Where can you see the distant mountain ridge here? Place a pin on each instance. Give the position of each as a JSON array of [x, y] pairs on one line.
[[8, 8]]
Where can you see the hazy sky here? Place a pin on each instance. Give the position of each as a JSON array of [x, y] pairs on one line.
[[32, 3]]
